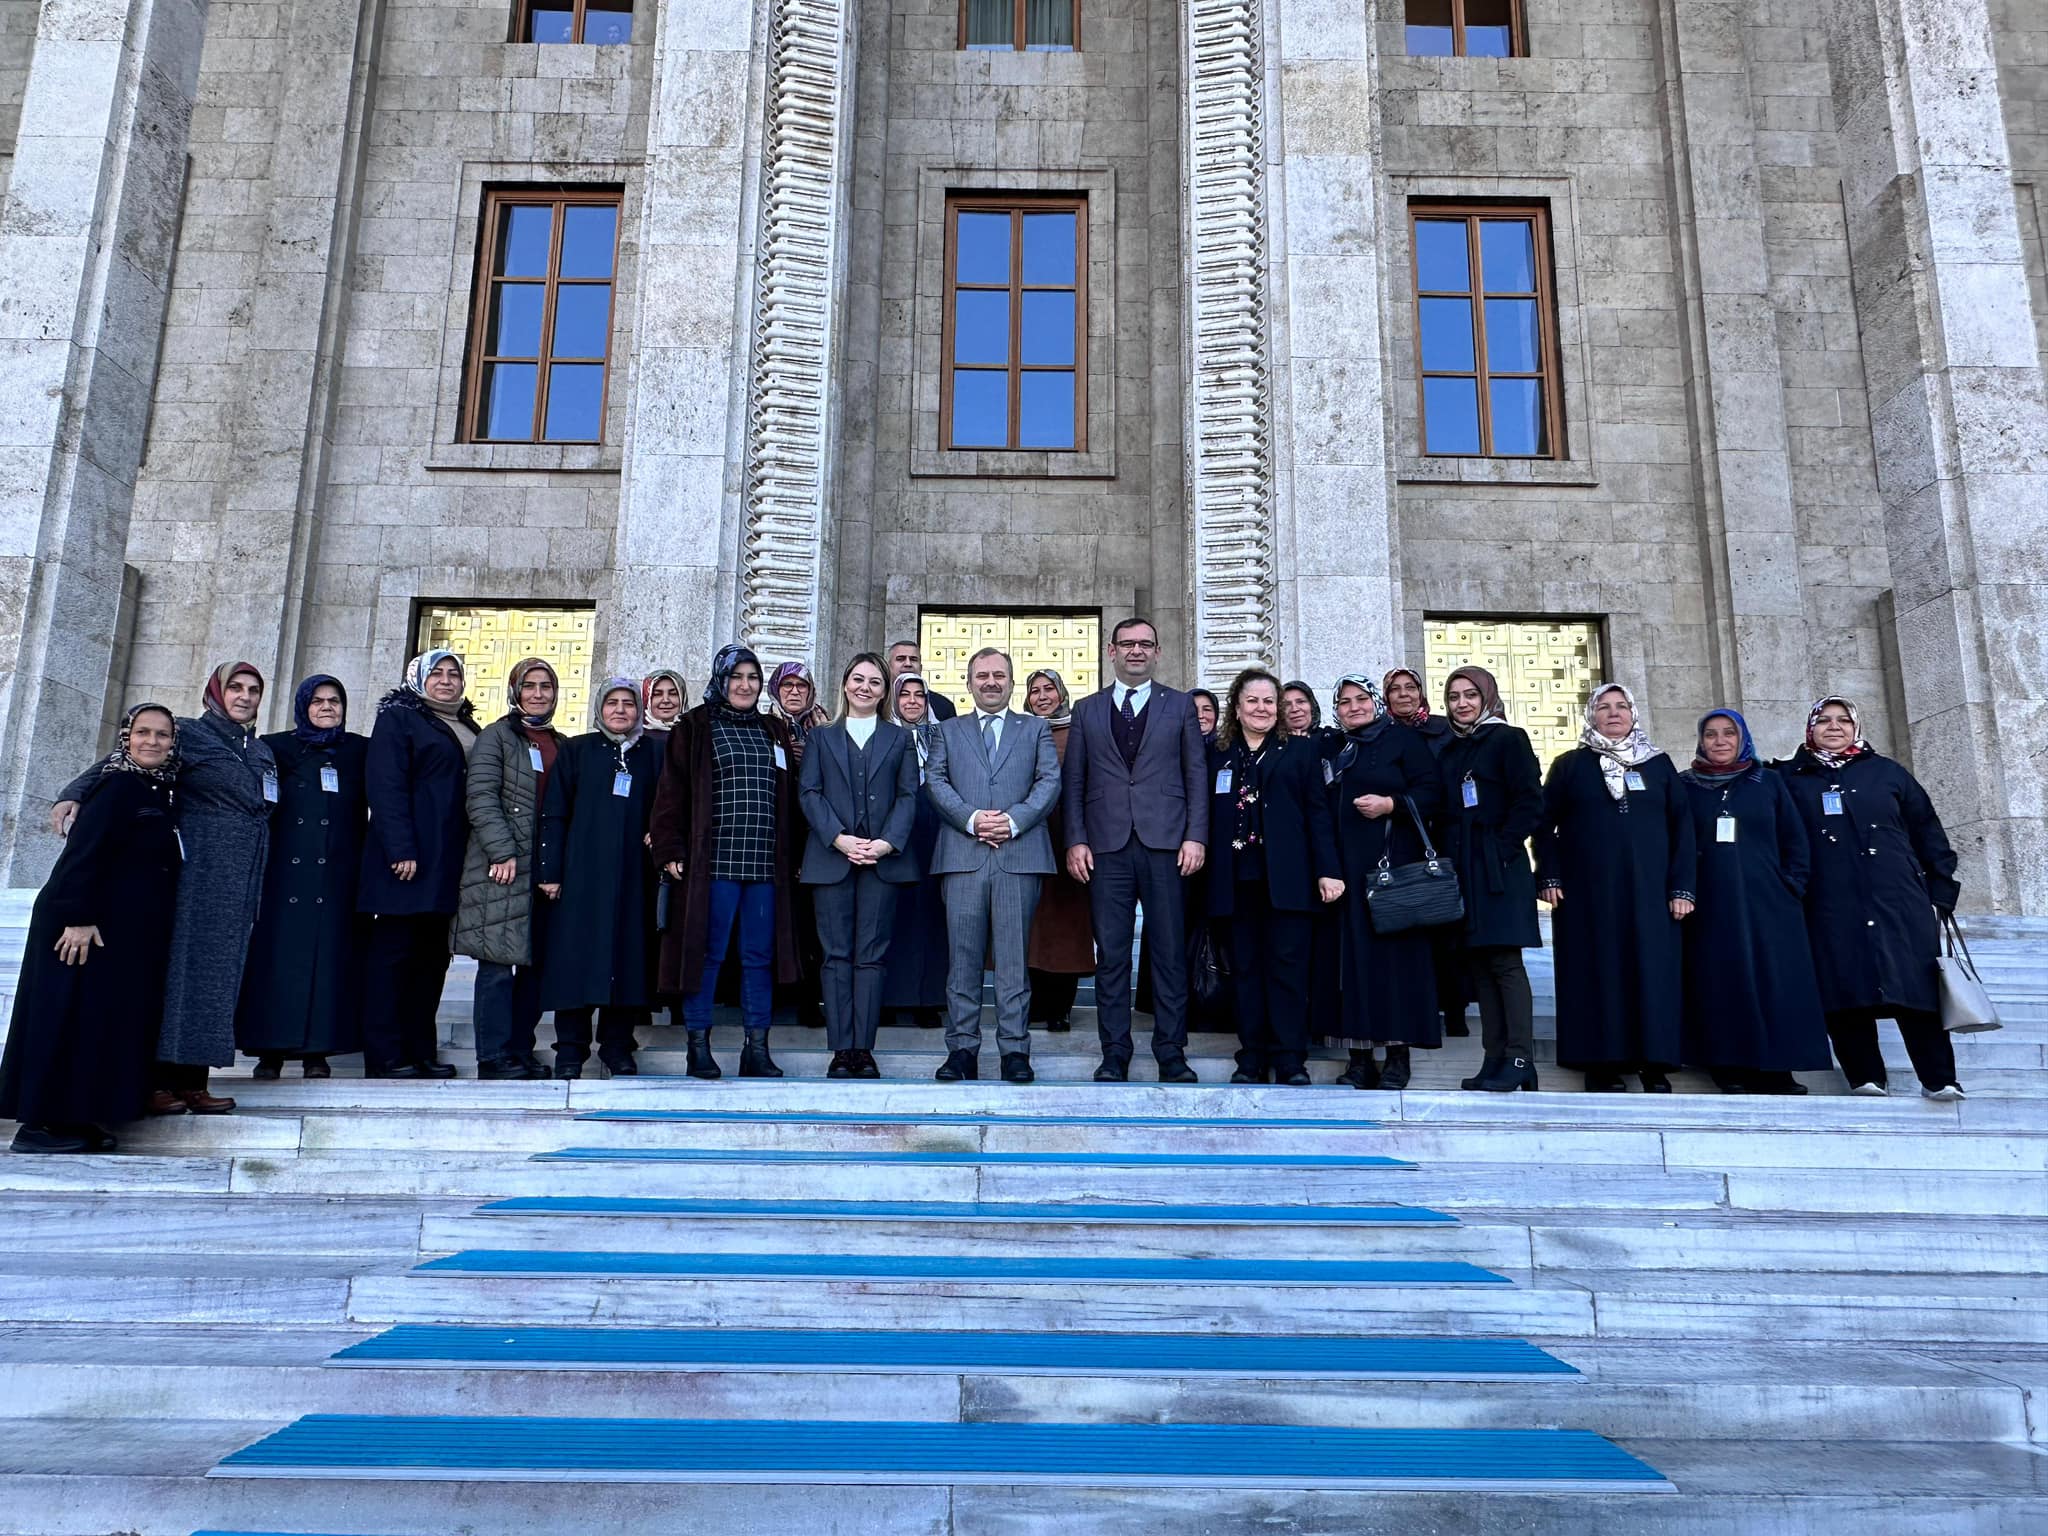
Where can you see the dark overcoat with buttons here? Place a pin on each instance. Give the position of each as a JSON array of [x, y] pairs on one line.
[[1880, 868], [301, 990], [593, 844]]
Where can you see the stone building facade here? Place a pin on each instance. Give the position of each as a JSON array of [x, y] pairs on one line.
[[1792, 296]]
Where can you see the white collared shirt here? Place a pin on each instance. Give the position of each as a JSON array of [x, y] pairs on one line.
[[1139, 696]]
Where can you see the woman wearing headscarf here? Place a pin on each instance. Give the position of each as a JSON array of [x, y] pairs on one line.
[[91, 988], [412, 862], [1408, 706], [914, 979], [302, 989], [595, 871], [726, 828], [1493, 800], [496, 917], [1752, 1006], [793, 699], [1208, 713], [1272, 864], [859, 789], [1384, 785], [1615, 863], [1882, 870], [1062, 948], [1300, 712], [662, 693]]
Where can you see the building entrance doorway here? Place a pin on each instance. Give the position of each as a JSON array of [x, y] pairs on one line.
[[1069, 643]]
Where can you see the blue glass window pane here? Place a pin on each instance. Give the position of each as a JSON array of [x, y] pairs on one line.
[[611, 23], [1046, 411], [575, 402], [523, 241], [982, 248], [1489, 29], [1441, 260], [1511, 342], [1447, 336], [1429, 42], [583, 315], [1450, 416], [589, 237], [981, 327], [514, 329], [550, 24], [1429, 28], [1518, 417], [981, 410], [1048, 248], [1048, 331], [1507, 255], [508, 401]]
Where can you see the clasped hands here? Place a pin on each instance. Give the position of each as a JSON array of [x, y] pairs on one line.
[[992, 827], [862, 850]]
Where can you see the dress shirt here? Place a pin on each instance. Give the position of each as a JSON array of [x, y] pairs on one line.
[[1139, 696]]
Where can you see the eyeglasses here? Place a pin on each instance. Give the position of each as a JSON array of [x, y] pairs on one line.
[[1135, 645]]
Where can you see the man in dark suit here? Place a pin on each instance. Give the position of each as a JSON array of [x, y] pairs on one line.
[[905, 659], [1136, 804]]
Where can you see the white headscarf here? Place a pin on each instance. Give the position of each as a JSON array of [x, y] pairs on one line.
[[1616, 757]]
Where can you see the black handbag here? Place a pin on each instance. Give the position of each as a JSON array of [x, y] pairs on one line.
[[1420, 895], [1208, 970]]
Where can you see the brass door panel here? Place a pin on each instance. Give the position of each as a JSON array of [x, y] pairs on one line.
[[490, 639], [1069, 643], [1545, 669]]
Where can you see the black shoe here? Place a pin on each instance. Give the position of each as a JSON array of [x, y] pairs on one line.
[[50, 1138], [405, 1072], [1454, 1024], [1605, 1082], [1177, 1070], [1394, 1076], [928, 1018], [568, 1071], [754, 1058], [1299, 1078], [268, 1069], [1017, 1068], [502, 1070], [315, 1067], [1516, 1072], [619, 1064], [1113, 1070], [959, 1067], [101, 1141], [1061, 1025], [864, 1065], [1246, 1075], [535, 1067], [843, 1063], [1487, 1068], [1655, 1082], [1363, 1072], [437, 1069], [701, 1063]]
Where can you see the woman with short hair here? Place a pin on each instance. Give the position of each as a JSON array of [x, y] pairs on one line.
[[1062, 948], [914, 977]]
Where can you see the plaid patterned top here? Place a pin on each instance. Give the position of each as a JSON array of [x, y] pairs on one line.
[[743, 810]]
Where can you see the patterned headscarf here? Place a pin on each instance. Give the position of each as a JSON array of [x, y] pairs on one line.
[[118, 760], [801, 725], [1858, 749], [1315, 708], [1616, 757], [647, 694], [1421, 704], [422, 666], [216, 697], [1372, 691], [1490, 711], [1745, 764], [921, 732], [302, 712], [519, 670], [1064, 715], [623, 740], [722, 666], [1366, 732]]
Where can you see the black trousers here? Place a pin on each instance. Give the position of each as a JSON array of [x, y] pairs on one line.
[[855, 919], [404, 966], [505, 1011], [1507, 1011], [1052, 994], [615, 1032], [1124, 878], [1269, 959], [1854, 1034]]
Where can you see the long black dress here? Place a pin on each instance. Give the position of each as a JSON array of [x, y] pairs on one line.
[[600, 932], [1389, 992], [1620, 959], [1751, 1002], [83, 1038], [302, 987], [914, 980]]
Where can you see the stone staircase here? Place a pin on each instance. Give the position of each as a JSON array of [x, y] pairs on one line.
[[640, 1305]]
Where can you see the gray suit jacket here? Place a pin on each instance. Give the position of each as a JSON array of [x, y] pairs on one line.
[[1164, 797], [1024, 781], [830, 799]]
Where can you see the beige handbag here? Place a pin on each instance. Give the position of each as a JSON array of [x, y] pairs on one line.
[[1966, 1005]]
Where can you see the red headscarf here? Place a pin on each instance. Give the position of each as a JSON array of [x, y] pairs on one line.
[[217, 688]]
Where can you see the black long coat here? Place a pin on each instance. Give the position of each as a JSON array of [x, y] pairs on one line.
[[915, 974], [1751, 1002], [1489, 840], [1880, 868], [600, 931], [1300, 842], [415, 770], [1435, 731], [1389, 978], [1620, 956], [301, 990], [82, 1039]]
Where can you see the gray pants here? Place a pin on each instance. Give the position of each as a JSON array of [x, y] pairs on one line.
[[854, 921], [988, 913]]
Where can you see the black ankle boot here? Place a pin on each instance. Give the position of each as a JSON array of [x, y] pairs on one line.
[[701, 1063], [1515, 1072], [1394, 1076], [267, 1068], [1363, 1072], [754, 1058], [1487, 1068]]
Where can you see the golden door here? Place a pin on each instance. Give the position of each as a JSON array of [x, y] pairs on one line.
[[1545, 669], [490, 639], [1069, 643]]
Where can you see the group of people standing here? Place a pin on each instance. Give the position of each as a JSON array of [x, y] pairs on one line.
[[297, 896]]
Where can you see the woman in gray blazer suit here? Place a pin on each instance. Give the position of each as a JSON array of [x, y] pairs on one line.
[[858, 788]]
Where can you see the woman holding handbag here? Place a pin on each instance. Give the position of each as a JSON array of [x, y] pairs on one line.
[[1384, 783]]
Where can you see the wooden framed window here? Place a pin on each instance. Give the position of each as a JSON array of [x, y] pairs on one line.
[[1015, 370], [1486, 332], [574, 21], [540, 333], [1488, 29], [1025, 26]]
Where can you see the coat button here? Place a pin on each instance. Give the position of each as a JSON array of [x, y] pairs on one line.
[[293, 900], [1870, 923], [319, 901], [295, 861], [319, 861]]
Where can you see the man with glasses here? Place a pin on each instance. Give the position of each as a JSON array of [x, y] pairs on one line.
[[1137, 820]]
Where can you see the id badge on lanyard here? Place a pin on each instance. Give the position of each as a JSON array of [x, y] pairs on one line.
[[1634, 780], [1831, 802], [533, 757], [1724, 828], [270, 787], [622, 783], [330, 778], [1224, 778], [1470, 793]]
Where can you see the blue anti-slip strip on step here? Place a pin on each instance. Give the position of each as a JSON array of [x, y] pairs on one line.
[[889, 1159], [1011, 1354], [971, 1268], [1082, 1455], [974, 1211], [802, 1117]]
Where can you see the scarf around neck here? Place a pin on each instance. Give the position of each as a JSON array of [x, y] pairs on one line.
[[215, 702], [1858, 748], [118, 760], [302, 711], [518, 675], [1064, 715], [622, 740], [1422, 695], [1745, 764], [1616, 757], [1490, 711]]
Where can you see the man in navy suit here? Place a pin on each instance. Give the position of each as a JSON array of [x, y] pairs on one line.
[[1136, 803]]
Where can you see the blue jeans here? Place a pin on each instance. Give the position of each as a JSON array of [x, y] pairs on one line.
[[752, 904]]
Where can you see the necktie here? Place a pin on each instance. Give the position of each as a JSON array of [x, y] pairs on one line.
[[988, 736], [1130, 714]]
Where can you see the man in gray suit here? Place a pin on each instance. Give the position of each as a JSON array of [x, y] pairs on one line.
[[993, 777], [1137, 822]]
